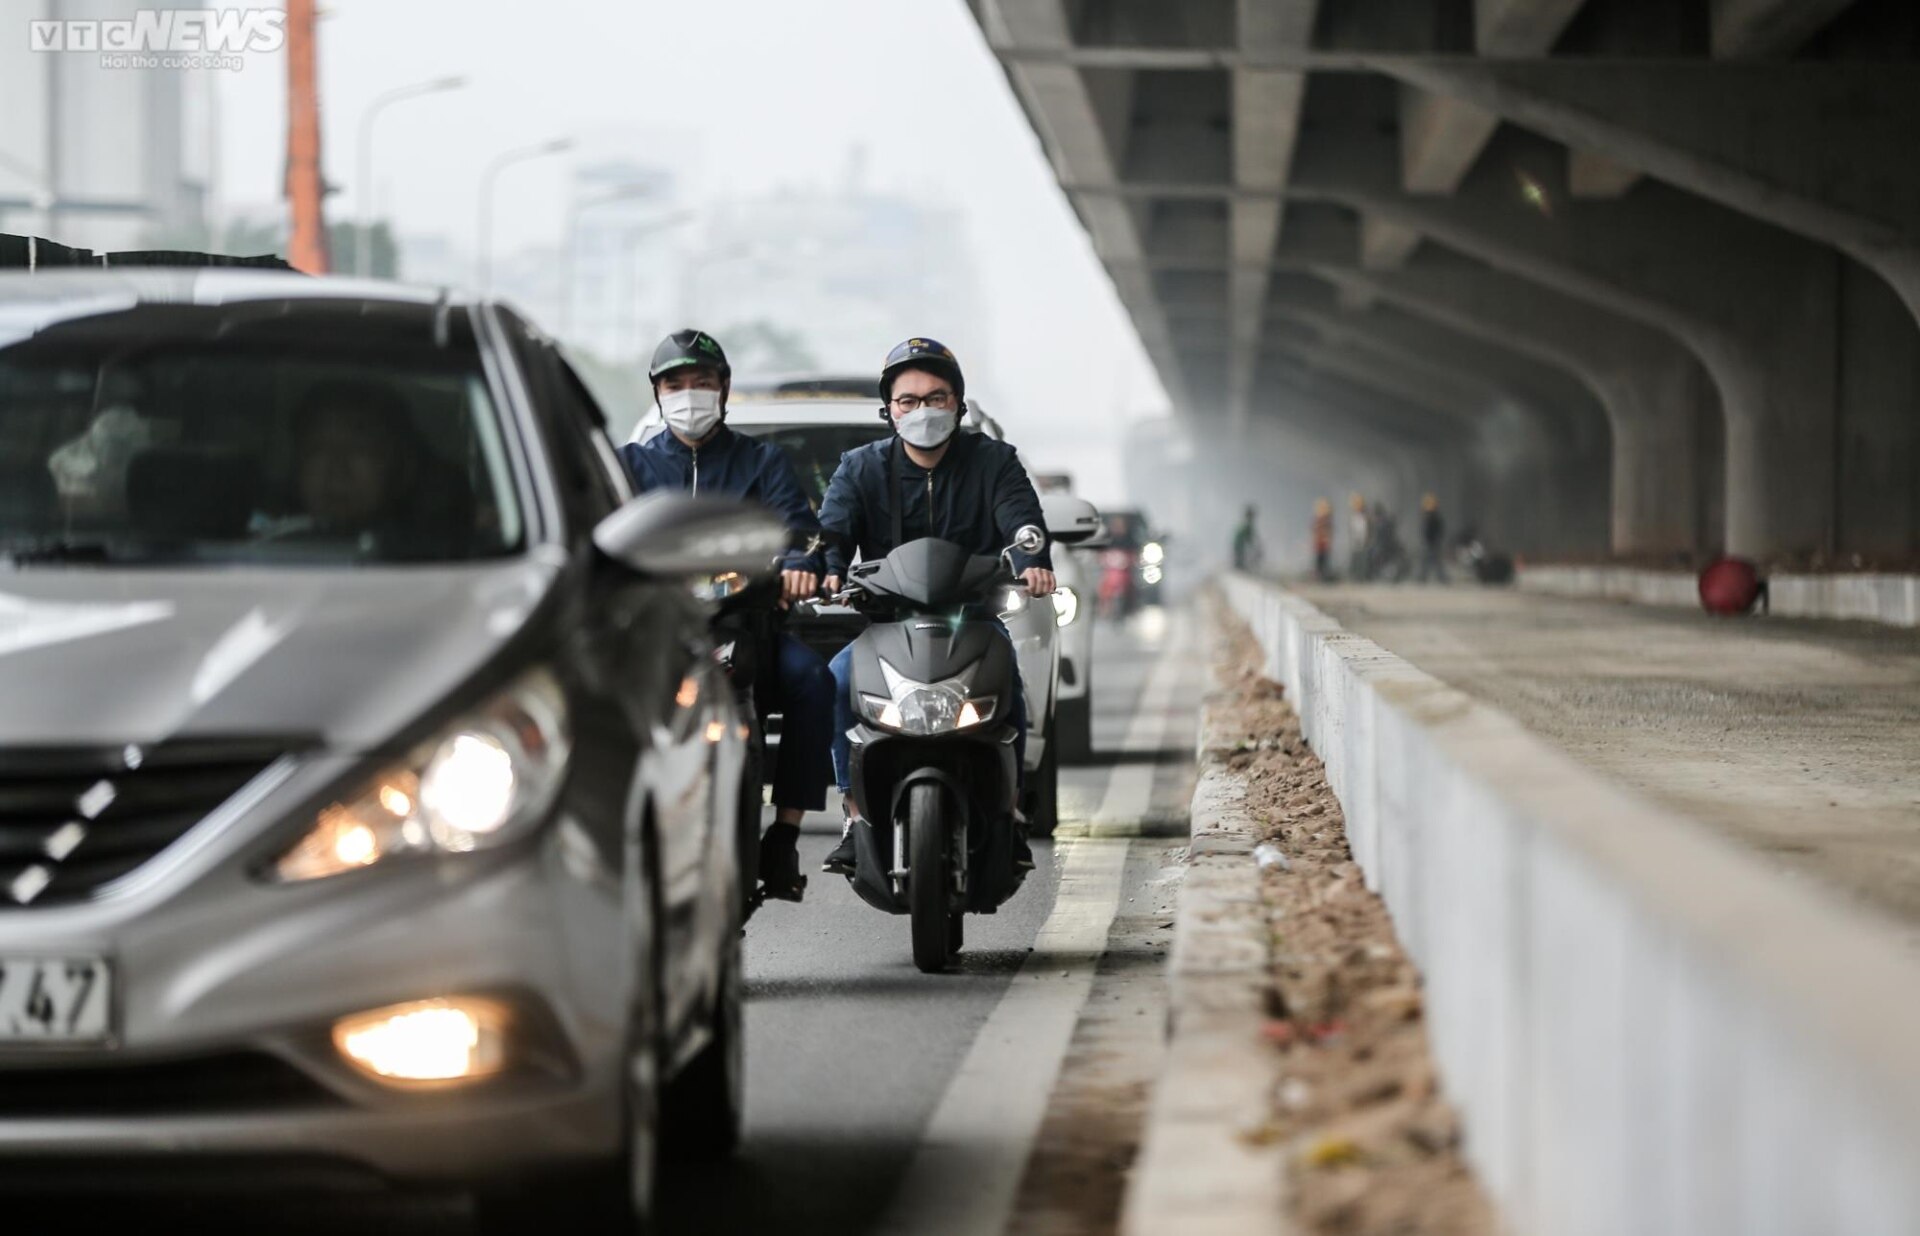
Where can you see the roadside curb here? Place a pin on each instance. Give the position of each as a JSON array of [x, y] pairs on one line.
[[1200, 1170]]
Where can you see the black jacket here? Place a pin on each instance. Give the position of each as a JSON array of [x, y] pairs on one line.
[[978, 494], [730, 465]]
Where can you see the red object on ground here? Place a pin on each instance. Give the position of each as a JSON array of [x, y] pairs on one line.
[[1729, 586]]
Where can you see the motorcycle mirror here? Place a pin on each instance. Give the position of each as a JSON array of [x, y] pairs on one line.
[[1030, 540]]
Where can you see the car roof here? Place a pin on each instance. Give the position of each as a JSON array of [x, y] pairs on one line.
[[211, 286]]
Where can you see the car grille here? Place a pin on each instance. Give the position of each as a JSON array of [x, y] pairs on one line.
[[72, 822], [226, 1083]]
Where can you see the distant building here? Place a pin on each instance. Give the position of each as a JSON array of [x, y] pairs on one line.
[[105, 158], [616, 290], [847, 274]]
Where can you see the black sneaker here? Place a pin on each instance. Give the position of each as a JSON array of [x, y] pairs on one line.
[[780, 878], [844, 858]]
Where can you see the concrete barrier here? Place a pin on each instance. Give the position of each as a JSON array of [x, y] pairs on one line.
[[1892, 599], [1645, 1028]]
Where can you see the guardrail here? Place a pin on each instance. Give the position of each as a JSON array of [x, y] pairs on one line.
[[1892, 599], [1645, 1028]]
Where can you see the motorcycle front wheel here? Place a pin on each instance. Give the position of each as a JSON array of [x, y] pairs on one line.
[[928, 878]]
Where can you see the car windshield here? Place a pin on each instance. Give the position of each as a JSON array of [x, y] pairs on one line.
[[237, 435], [816, 449]]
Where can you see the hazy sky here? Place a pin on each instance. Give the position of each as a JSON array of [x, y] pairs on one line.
[[746, 96]]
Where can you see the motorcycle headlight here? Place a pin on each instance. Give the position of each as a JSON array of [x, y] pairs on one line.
[[1152, 553], [1066, 605], [1150, 574], [1013, 601], [483, 780], [918, 709]]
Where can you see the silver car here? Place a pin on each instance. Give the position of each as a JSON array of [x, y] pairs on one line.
[[367, 785]]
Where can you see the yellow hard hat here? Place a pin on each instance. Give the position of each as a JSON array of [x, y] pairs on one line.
[[1321, 506]]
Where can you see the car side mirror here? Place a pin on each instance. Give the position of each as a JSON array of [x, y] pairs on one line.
[[1072, 521], [673, 536]]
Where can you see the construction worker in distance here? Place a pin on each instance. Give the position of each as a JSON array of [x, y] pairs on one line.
[[1433, 535], [1322, 540], [1359, 540], [1246, 542], [699, 454]]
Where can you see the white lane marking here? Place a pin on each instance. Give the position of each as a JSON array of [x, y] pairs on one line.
[[1129, 793], [965, 1175]]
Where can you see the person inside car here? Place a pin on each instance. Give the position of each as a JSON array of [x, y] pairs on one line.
[[362, 468], [928, 479], [699, 454]]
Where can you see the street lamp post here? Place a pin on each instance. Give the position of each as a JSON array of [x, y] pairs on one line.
[[487, 183], [362, 250]]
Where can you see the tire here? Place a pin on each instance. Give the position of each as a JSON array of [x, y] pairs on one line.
[[1043, 795], [747, 828], [929, 878], [1073, 729], [704, 1104]]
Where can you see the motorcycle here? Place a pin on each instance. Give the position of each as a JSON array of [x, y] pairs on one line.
[[744, 625], [933, 769]]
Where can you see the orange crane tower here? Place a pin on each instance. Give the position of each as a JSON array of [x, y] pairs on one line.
[[306, 189]]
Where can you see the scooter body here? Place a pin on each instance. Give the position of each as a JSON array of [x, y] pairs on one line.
[[934, 776]]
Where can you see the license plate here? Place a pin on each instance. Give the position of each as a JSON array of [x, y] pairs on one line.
[[54, 999]]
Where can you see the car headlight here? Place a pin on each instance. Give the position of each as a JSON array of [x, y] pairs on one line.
[[1066, 605], [1152, 553], [918, 709], [1013, 601], [483, 780]]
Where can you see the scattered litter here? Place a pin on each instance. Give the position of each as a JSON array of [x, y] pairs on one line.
[[1333, 1152], [1269, 857]]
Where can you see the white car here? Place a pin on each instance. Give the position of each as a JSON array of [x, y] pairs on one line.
[[1079, 586], [816, 420]]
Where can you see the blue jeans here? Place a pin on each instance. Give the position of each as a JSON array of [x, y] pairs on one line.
[[844, 718], [805, 701]]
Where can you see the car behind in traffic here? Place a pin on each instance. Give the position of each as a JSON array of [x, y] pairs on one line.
[[367, 784]]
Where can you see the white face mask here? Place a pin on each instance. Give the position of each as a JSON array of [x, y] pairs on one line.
[[691, 414], [928, 428]]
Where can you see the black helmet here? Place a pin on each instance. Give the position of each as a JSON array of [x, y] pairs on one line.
[[928, 354], [684, 349]]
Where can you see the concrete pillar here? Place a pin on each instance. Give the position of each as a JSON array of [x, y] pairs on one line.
[[1755, 304], [1652, 387]]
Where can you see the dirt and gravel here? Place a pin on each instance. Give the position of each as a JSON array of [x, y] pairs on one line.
[[1374, 1148]]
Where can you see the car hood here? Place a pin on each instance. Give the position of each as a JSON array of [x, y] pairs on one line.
[[90, 657]]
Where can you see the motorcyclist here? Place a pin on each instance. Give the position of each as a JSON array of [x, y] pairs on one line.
[[928, 479], [699, 454]]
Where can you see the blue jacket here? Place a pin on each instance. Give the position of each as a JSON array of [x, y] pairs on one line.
[[980, 496], [730, 465]]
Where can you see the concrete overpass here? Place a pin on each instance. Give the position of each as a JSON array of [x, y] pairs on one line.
[[1646, 272]]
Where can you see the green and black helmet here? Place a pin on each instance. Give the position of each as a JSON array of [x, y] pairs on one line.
[[685, 349], [922, 353]]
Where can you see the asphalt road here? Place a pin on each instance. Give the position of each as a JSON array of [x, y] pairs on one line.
[[852, 1052], [850, 1048]]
